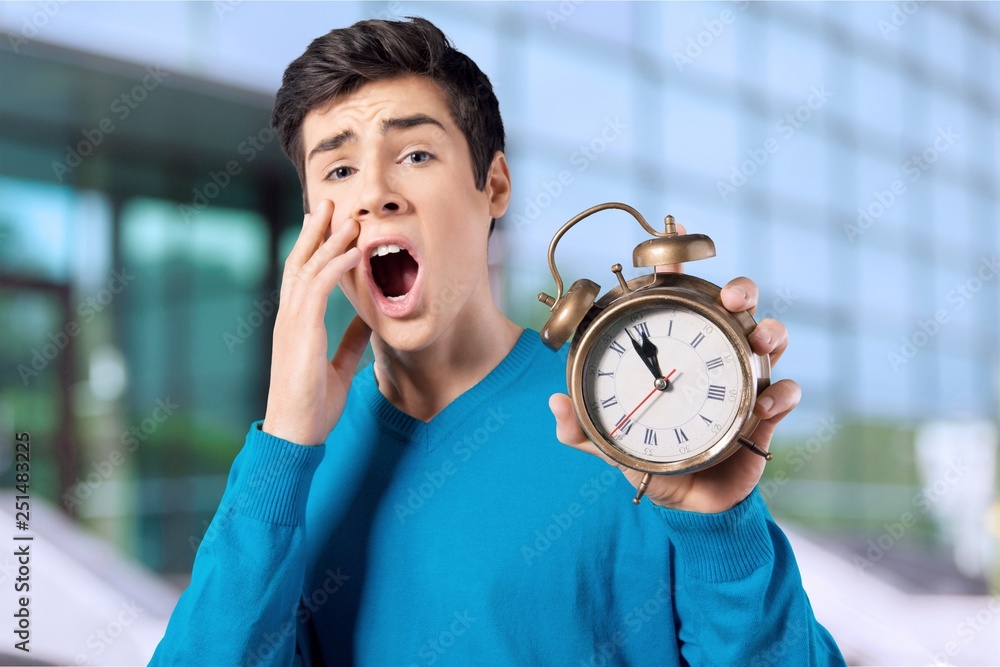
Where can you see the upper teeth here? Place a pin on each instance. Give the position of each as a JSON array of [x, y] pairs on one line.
[[385, 249]]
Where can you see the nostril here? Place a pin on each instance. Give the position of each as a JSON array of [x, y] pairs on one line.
[[392, 206]]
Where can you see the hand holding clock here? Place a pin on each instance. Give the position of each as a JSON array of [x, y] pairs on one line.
[[724, 485]]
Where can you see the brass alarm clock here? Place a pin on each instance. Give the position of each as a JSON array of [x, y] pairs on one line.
[[661, 375]]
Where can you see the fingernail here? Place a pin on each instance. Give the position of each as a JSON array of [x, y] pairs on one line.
[[742, 292], [765, 403], [763, 336]]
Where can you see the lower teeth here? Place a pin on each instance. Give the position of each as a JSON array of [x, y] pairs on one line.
[[396, 298]]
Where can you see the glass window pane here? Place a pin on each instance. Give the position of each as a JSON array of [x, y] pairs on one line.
[[37, 219]]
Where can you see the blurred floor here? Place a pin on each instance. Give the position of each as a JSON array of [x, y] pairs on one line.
[[878, 623]]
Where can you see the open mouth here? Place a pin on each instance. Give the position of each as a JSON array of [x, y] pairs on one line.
[[394, 270]]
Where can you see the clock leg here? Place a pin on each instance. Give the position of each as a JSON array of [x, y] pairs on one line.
[[642, 487], [753, 447]]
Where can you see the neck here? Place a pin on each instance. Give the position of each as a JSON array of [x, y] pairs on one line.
[[421, 383]]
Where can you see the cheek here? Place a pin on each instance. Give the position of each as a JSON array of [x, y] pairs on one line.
[[462, 267], [339, 196]]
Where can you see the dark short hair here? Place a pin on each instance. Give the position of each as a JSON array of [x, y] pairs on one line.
[[343, 60]]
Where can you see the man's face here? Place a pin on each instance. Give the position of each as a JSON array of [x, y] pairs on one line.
[[391, 157]]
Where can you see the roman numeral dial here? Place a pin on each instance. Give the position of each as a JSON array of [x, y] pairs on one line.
[[662, 385]]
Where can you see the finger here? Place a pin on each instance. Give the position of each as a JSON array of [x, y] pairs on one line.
[[311, 236], [336, 245], [352, 346], [777, 401], [740, 294], [785, 395], [334, 271], [673, 268], [769, 337], [568, 430]]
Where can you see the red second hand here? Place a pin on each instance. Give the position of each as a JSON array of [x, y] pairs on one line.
[[629, 415]]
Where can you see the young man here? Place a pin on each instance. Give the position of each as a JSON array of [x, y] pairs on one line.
[[423, 511]]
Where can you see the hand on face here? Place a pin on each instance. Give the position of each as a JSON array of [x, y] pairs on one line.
[[724, 485], [308, 391]]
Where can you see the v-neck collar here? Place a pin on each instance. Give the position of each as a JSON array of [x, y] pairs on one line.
[[430, 434]]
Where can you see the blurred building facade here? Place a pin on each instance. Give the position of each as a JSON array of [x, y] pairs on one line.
[[844, 156]]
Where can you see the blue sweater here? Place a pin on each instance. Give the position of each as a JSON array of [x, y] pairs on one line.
[[478, 539]]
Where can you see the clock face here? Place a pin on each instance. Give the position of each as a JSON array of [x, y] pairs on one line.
[[693, 405]]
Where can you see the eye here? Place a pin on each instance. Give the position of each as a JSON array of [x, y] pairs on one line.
[[418, 157], [339, 173]]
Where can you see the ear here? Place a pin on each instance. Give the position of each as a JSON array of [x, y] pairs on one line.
[[498, 186]]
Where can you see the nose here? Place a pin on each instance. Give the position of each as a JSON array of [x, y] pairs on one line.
[[378, 197]]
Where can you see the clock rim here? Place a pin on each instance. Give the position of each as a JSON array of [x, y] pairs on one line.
[[694, 294]]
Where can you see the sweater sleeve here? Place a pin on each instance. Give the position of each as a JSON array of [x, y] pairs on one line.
[[739, 597], [240, 608]]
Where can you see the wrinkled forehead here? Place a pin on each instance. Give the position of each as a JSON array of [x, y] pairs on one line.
[[367, 110]]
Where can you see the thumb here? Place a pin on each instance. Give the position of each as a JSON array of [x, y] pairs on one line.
[[568, 429], [352, 346]]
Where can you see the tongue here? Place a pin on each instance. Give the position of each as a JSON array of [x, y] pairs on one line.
[[394, 273]]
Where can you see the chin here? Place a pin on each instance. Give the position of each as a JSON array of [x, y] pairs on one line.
[[407, 336]]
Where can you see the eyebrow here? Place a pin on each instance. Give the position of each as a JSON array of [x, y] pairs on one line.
[[404, 123]]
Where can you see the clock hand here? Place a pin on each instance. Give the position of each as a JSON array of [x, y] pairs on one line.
[[647, 351], [664, 381], [651, 353]]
